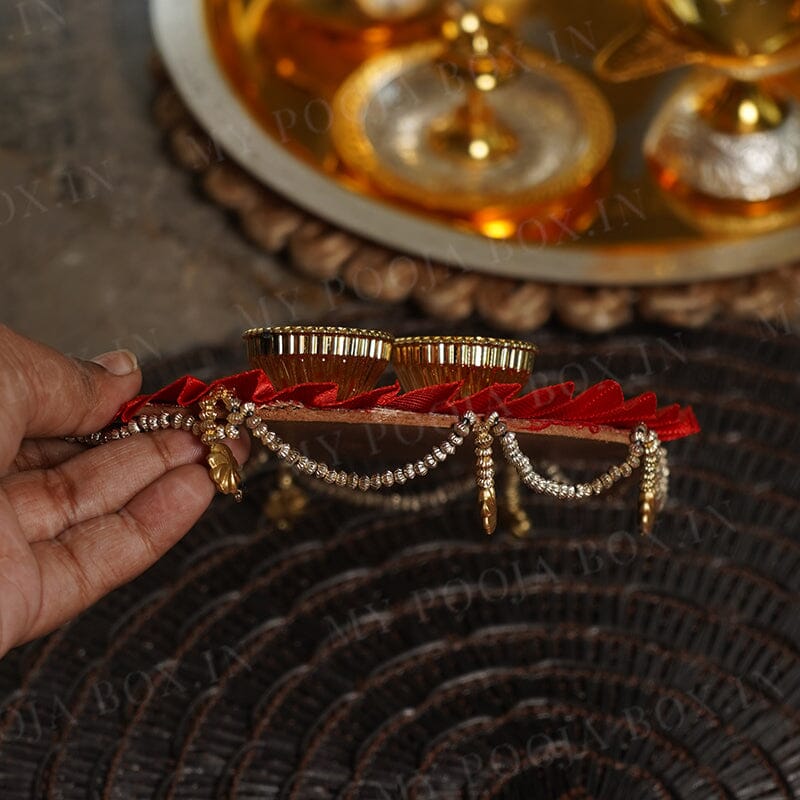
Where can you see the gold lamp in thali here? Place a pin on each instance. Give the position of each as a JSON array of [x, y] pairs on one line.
[[726, 143], [476, 125]]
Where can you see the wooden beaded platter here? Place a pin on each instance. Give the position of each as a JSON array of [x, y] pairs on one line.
[[637, 240]]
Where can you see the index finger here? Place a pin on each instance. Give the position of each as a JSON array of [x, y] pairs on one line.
[[44, 393]]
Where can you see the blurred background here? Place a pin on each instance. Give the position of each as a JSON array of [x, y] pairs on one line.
[[103, 241]]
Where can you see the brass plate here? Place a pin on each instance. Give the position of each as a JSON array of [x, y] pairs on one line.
[[280, 133]]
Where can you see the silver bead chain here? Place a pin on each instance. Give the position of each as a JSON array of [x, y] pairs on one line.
[[644, 446], [354, 481], [145, 422], [645, 450]]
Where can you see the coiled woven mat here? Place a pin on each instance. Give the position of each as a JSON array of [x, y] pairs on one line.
[[361, 655], [374, 273]]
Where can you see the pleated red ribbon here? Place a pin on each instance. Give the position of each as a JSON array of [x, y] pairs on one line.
[[602, 405]]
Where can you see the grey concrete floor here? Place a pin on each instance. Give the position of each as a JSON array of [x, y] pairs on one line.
[[104, 242]]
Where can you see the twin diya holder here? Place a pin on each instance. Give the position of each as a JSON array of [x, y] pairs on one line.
[[450, 389]]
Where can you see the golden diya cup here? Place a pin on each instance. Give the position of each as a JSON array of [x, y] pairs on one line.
[[478, 361], [731, 131], [353, 358]]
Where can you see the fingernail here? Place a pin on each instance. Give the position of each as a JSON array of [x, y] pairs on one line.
[[118, 362]]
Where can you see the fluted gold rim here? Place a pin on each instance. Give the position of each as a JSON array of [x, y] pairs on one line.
[[477, 361], [319, 340], [352, 358], [462, 340], [317, 329]]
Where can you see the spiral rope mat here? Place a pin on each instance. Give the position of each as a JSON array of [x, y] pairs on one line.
[[323, 252], [361, 654]]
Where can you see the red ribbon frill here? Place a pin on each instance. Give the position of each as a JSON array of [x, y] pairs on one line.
[[603, 404]]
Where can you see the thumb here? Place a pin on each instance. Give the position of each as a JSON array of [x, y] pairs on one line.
[[44, 393]]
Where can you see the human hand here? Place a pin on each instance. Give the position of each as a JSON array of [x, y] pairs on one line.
[[77, 523]]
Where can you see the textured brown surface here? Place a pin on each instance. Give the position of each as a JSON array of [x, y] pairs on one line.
[[376, 274], [360, 655]]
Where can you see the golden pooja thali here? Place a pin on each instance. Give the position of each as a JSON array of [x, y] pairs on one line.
[[636, 145]]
